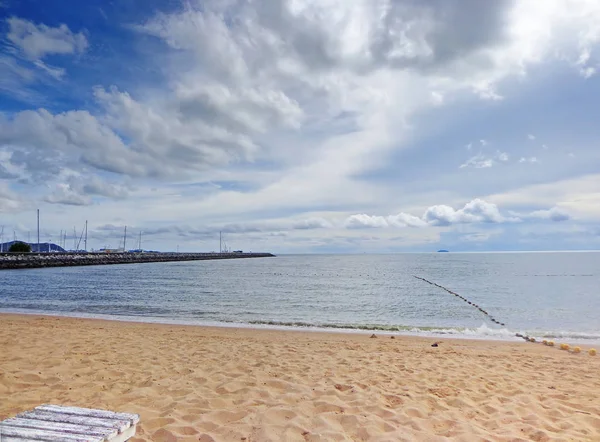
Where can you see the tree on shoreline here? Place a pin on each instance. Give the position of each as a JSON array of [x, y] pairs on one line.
[[20, 247]]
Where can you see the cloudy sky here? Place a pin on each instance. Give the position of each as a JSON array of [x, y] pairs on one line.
[[303, 125]]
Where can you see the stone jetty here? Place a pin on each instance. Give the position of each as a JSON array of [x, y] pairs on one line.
[[37, 260]]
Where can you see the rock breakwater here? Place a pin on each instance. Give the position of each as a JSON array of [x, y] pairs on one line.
[[37, 260]]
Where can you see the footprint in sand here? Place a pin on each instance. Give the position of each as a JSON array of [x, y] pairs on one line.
[[31, 378], [414, 412], [277, 415], [158, 422], [163, 435], [185, 431], [326, 407], [223, 417], [343, 387]]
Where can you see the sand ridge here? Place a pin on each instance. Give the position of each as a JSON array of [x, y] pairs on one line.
[[199, 383]]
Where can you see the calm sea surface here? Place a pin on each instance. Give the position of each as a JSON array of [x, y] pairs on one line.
[[542, 294]]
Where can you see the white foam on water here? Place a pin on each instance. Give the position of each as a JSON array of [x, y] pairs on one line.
[[483, 332]]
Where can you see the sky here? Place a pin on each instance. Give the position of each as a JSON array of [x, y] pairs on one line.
[[302, 126]]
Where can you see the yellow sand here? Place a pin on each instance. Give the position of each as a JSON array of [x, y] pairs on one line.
[[197, 383]]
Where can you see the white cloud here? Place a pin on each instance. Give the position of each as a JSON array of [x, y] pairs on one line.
[[479, 161], [588, 72], [311, 223], [9, 200], [195, 129], [17, 80], [476, 211], [486, 91], [437, 99], [37, 41], [502, 156], [293, 103], [64, 194], [74, 135], [93, 185], [580, 197], [362, 220], [399, 220], [531, 137], [56, 73], [553, 214], [27, 45], [405, 220], [273, 226], [528, 160], [231, 86], [73, 188]]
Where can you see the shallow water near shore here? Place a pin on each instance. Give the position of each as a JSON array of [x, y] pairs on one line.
[[547, 295]]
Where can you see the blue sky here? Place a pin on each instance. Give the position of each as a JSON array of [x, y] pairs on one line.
[[303, 126]]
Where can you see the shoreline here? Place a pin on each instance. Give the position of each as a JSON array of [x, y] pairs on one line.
[[252, 327], [497, 335], [193, 383]]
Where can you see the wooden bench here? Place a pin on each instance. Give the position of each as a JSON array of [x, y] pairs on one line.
[[54, 423]]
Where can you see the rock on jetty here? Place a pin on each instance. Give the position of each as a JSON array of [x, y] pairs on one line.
[[37, 260]]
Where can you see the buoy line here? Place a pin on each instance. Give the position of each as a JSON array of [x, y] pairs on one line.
[[490, 317], [591, 352]]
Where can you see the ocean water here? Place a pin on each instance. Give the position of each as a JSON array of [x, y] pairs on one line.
[[547, 295]]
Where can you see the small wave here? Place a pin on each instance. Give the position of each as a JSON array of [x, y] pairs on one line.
[[366, 327], [569, 335], [482, 332]]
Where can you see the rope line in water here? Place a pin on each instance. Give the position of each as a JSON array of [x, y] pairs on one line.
[[490, 317], [592, 352]]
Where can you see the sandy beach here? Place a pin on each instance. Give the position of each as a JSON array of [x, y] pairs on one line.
[[198, 383]]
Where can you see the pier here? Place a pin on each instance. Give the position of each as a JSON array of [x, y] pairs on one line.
[[40, 260]]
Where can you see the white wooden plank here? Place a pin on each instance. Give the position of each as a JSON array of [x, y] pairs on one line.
[[32, 434], [90, 412], [124, 436], [120, 425], [87, 430], [12, 439]]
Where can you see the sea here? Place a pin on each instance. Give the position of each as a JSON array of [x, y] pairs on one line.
[[543, 295]]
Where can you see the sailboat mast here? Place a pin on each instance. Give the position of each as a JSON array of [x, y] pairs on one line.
[[125, 239], [85, 241]]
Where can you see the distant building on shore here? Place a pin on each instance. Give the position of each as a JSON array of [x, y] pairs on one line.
[[112, 250]]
